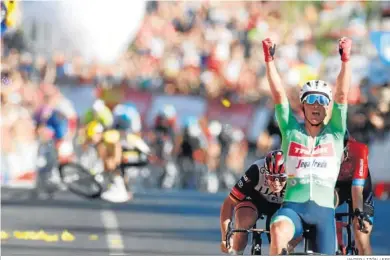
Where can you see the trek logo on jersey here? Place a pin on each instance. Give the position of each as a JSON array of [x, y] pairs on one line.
[[246, 179], [314, 164], [299, 150]]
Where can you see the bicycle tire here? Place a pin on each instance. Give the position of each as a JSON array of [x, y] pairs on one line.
[[305, 253], [84, 184], [256, 244]]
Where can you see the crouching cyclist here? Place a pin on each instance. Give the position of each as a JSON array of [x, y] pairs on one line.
[[354, 182], [99, 112], [259, 192], [122, 147]]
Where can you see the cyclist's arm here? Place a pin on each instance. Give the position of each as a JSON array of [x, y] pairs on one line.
[[178, 143], [343, 83], [284, 114], [338, 120], [226, 215], [139, 143], [88, 117], [110, 154], [278, 92], [105, 117], [244, 186], [360, 173]]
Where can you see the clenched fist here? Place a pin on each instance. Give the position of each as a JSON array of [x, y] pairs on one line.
[[269, 49], [345, 45]]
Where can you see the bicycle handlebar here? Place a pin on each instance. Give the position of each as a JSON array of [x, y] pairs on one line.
[[242, 230], [360, 221]]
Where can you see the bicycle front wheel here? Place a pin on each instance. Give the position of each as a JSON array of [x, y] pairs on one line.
[[80, 181]]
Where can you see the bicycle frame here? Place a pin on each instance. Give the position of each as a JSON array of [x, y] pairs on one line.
[[256, 238], [343, 249]]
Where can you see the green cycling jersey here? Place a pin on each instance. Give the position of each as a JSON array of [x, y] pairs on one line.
[[312, 163], [104, 116]]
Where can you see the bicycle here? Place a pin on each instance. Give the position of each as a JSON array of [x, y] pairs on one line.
[[80, 181], [256, 237], [308, 237], [47, 168], [350, 248]]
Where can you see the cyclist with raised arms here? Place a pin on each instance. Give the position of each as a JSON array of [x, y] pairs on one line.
[[354, 182], [259, 192], [313, 153]]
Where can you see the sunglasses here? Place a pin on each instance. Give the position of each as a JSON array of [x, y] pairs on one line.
[[277, 177], [313, 98]]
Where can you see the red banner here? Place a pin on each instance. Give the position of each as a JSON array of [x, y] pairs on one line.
[[239, 115]]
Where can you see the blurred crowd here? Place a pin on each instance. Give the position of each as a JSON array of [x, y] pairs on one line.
[[213, 49]]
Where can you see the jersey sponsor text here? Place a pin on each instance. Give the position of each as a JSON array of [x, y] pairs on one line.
[[314, 164], [322, 150]]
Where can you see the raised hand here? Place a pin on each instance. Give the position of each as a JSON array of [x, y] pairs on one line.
[[345, 45], [269, 50]]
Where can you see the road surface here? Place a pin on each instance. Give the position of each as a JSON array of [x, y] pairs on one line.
[[155, 223]]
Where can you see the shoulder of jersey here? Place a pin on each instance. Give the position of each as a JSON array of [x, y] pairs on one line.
[[111, 136], [356, 145], [132, 138], [260, 165]]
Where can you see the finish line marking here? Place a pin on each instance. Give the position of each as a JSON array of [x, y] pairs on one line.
[[113, 236]]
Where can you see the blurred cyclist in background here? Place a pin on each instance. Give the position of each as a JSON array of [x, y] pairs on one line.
[[165, 121], [89, 157], [58, 115], [164, 141], [192, 145], [122, 147], [128, 115], [213, 156], [51, 124], [235, 158], [99, 112], [99, 115]]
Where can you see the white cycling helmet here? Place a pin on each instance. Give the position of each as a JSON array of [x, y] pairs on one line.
[[215, 127], [168, 111], [315, 87], [98, 105]]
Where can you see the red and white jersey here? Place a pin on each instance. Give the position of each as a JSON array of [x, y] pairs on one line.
[[255, 185]]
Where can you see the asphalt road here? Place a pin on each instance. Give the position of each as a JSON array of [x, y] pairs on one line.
[[155, 223]]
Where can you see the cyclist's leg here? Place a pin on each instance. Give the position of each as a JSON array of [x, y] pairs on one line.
[[325, 231], [269, 210], [363, 239], [111, 155], [245, 216], [286, 224]]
